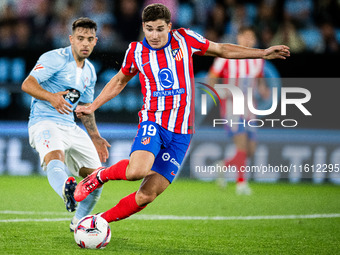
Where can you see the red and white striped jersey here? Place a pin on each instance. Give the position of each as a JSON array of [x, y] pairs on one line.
[[167, 78], [239, 72]]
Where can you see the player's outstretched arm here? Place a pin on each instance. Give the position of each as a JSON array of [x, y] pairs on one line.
[[227, 50], [89, 122], [111, 90], [33, 88]]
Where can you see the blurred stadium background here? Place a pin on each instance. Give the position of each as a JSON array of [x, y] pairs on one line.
[[311, 29]]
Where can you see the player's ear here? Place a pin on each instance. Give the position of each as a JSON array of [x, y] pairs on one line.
[[70, 38], [169, 26]]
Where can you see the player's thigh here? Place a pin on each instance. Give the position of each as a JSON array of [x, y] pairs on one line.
[[140, 164], [145, 148], [47, 139], [81, 153]]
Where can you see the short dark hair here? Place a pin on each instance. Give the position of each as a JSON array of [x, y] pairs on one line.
[[85, 23], [154, 12]]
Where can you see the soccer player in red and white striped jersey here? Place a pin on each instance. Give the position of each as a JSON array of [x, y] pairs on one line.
[[166, 76], [164, 63], [243, 73]]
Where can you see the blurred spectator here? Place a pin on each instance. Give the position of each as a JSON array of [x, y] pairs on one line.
[[60, 28], [26, 8], [59, 33], [22, 34], [128, 21], [109, 39], [40, 21], [266, 22], [201, 11], [241, 14], [101, 13], [329, 43], [7, 11], [327, 11], [6, 35], [186, 15], [288, 35], [305, 25], [216, 23], [299, 12]]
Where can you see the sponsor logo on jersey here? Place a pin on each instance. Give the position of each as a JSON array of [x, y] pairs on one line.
[[166, 78], [38, 67], [164, 93], [166, 157], [177, 54], [145, 140]]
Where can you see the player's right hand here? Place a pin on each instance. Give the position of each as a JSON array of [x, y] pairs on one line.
[[59, 103]]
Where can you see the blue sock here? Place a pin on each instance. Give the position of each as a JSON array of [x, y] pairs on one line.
[[57, 175], [86, 206]]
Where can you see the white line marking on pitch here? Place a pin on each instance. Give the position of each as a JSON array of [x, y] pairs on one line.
[[171, 217], [34, 213]]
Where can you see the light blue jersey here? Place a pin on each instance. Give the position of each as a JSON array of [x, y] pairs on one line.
[[56, 71]]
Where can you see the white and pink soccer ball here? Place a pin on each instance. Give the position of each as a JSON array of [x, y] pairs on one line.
[[92, 232]]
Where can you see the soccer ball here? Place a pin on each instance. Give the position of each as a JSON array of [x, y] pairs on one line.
[[92, 232]]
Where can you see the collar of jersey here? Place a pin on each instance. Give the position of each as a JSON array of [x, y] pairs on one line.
[[70, 55], [146, 44]]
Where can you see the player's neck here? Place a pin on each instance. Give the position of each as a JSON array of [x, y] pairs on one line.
[[79, 61]]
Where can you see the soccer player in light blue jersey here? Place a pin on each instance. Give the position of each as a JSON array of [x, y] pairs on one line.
[[62, 79]]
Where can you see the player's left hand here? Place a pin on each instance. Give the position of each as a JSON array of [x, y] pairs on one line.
[[101, 145], [277, 52], [82, 110]]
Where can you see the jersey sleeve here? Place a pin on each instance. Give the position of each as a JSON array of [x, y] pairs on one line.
[[128, 66], [198, 43], [48, 64]]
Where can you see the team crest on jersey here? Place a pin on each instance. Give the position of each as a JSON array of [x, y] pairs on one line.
[[72, 96], [177, 54], [38, 67], [145, 140]]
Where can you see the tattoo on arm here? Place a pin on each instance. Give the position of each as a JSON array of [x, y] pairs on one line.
[[89, 122]]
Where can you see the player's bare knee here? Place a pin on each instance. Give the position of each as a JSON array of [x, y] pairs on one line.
[[134, 173]]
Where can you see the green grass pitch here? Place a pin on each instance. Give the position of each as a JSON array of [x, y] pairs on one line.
[[191, 227]]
